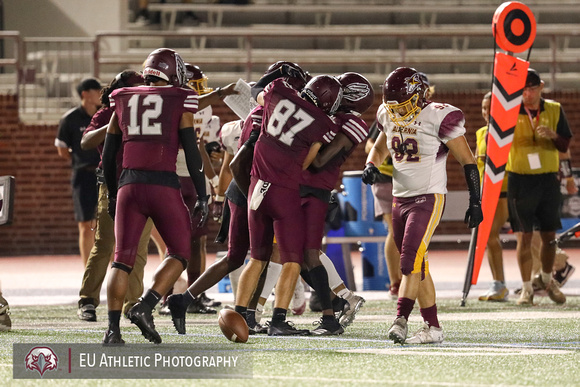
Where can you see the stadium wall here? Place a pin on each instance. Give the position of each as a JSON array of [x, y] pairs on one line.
[[43, 214]]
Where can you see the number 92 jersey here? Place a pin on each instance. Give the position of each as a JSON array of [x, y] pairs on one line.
[[418, 150], [290, 126], [149, 118]]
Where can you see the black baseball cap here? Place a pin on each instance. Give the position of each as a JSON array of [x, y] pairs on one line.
[[533, 78], [88, 84]]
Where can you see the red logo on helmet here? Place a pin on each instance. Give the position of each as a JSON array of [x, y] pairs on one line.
[[41, 359]]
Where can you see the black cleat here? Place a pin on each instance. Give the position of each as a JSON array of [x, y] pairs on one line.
[[87, 313], [285, 328], [141, 316], [254, 327], [113, 337], [197, 306], [327, 327], [177, 309], [209, 302]]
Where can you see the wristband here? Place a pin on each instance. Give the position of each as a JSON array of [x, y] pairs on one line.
[[219, 92], [214, 181], [219, 198]]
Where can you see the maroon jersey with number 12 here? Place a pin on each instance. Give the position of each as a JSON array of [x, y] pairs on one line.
[[150, 138]]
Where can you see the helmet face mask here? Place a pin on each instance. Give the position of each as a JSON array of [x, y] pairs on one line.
[[196, 79], [404, 93], [167, 65]]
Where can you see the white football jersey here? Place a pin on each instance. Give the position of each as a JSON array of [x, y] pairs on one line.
[[230, 134], [421, 167], [206, 124]]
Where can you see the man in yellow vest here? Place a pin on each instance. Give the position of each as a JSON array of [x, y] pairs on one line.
[[533, 186]]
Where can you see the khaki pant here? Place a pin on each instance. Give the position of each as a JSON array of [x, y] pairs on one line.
[[101, 255]]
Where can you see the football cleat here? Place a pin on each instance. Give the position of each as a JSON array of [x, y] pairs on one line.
[[141, 316], [427, 335], [564, 274], [177, 310], [285, 328], [497, 292], [5, 322], [198, 307], [398, 331], [113, 337], [551, 288], [394, 290], [327, 327], [354, 304], [209, 302], [87, 313], [526, 298]]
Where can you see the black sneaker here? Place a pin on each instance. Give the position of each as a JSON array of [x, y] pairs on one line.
[[87, 313], [197, 306], [141, 316], [564, 274], [254, 327], [327, 327], [177, 309], [285, 328], [113, 337], [209, 302]]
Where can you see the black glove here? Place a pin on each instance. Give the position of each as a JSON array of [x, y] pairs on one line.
[[291, 71], [202, 209], [370, 173], [474, 215], [112, 207]]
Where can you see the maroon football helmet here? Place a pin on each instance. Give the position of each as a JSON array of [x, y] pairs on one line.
[[294, 82], [358, 94], [324, 91], [166, 64], [404, 95], [196, 79]]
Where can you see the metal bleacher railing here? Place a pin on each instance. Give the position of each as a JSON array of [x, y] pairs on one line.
[[454, 56]]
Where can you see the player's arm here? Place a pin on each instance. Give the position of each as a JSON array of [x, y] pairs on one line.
[[282, 71], [93, 138], [194, 162], [224, 179], [461, 151], [215, 96], [113, 140], [312, 152], [241, 164], [378, 153], [339, 145]]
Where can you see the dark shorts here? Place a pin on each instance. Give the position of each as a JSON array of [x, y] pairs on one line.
[[164, 205], [534, 202], [189, 198], [280, 213], [85, 194], [314, 220], [239, 234], [414, 222]]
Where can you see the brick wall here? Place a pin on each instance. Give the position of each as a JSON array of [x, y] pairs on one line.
[[43, 216]]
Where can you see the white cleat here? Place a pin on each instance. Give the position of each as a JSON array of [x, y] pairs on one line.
[[398, 331], [427, 335]]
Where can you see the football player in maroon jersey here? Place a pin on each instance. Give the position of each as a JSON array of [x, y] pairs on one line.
[[293, 129], [150, 122]]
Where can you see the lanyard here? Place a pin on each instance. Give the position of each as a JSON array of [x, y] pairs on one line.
[[534, 126]]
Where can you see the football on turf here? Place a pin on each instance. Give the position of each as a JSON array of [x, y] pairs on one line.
[[233, 326]]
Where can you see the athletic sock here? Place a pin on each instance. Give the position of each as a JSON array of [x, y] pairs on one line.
[[243, 310], [279, 314], [345, 293], [334, 279], [114, 319], [272, 275], [320, 285], [527, 286], [151, 298], [306, 277], [405, 307], [430, 316], [546, 277]]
